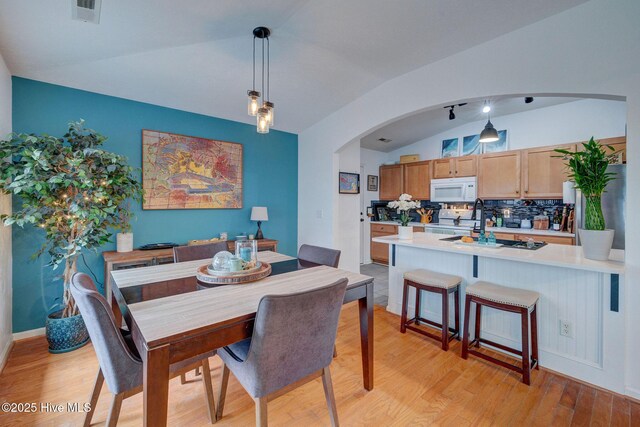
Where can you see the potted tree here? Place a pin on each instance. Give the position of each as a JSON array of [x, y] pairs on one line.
[[404, 204], [72, 189], [588, 170]]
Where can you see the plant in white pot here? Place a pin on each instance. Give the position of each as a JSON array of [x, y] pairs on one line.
[[404, 204], [72, 189], [588, 170]]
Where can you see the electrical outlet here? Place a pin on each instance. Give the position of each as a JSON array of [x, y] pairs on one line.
[[566, 328]]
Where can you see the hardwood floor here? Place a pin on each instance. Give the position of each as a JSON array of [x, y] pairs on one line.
[[416, 384]]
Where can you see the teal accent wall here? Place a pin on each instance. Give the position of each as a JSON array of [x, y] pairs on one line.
[[270, 179]]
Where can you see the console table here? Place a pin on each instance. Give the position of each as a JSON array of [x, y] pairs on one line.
[[124, 260]]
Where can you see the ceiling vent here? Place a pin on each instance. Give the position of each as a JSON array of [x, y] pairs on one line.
[[86, 10], [385, 140]]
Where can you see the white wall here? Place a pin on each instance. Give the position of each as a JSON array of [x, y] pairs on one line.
[[563, 54], [347, 215], [558, 124], [370, 160], [5, 232]]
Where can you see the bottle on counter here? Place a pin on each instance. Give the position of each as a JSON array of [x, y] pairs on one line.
[[482, 238], [491, 240]]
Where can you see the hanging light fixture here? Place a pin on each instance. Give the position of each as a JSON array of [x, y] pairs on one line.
[[489, 133], [486, 107], [263, 111]]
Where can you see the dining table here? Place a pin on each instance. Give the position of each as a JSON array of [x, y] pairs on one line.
[[172, 317]]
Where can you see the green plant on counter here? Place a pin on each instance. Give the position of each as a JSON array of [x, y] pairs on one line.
[[589, 173], [72, 189]]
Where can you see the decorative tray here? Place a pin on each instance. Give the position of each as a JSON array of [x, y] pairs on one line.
[[233, 278], [216, 273]]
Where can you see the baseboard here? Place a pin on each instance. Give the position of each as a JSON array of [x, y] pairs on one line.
[[28, 334], [632, 393], [4, 355]]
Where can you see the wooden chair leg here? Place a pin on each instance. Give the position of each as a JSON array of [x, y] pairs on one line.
[[526, 356], [94, 398], [197, 371], [417, 308], [445, 320], [478, 324], [222, 393], [208, 391], [405, 301], [183, 378], [534, 335], [261, 412], [467, 314], [331, 399], [456, 311], [114, 412]]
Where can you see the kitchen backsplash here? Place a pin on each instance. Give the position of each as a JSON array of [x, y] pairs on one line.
[[515, 210]]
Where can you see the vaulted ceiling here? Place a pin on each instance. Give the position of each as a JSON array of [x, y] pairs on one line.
[[196, 55]]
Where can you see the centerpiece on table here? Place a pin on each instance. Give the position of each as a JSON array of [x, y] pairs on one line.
[[404, 204], [588, 170], [75, 192]]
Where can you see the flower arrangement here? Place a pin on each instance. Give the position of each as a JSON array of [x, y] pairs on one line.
[[404, 204]]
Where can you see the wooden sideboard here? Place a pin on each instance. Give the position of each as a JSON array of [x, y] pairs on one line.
[[124, 260]]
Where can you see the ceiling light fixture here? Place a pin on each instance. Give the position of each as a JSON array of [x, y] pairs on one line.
[[489, 133], [528, 99], [487, 107], [452, 115], [264, 111]]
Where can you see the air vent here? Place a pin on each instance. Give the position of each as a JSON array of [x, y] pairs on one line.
[[385, 140], [86, 10]]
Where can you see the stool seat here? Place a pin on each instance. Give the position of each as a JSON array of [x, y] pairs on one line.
[[503, 294], [432, 278]]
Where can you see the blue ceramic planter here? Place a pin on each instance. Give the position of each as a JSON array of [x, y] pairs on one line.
[[65, 334]]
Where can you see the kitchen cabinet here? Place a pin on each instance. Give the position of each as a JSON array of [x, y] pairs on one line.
[[417, 180], [391, 181], [455, 167], [499, 175], [556, 240], [543, 172], [618, 144], [380, 251]]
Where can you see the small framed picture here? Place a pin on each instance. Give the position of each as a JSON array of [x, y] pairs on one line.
[[449, 148], [348, 183], [372, 182]]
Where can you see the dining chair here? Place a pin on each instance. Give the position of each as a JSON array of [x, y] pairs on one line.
[[319, 255], [194, 252], [292, 343], [119, 363]]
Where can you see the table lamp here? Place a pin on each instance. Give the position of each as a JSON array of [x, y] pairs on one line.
[[259, 213]]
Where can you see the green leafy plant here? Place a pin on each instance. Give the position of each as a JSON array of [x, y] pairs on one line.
[[589, 172], [72, 189]]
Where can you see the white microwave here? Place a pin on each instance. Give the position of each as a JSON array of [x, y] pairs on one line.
[[454, 189]]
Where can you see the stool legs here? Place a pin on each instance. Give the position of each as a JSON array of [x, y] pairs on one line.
[[405, 302], [445, 320], [465, 340], [476, 335], [456, 310], [526, 356], [417, 316], [534, 335]]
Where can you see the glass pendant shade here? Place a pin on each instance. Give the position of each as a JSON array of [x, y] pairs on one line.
[[253, 105], [269, 106], [489, 133], [263, 120]]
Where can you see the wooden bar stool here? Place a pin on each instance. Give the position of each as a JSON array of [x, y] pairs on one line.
[[430, 281], [519, 301]]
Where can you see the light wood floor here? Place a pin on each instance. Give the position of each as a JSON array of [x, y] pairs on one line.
[[416, 384]]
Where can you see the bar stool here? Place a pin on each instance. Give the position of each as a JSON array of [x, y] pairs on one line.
[[519, 301], [430, 281]]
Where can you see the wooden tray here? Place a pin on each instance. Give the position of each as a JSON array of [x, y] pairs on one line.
[[207, 279]]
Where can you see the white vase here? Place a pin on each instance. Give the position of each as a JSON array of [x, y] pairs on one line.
[[124, 242], [596, 244], [405, 233]]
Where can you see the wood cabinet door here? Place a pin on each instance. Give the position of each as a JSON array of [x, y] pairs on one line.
[[466, 166], [556, 240], [390, 182], [619, 145], [442, 168], [499, 175], [379, 251], [417, 180], [543, 172]]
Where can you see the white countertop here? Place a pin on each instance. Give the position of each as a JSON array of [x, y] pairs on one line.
[[553, 255], [530, 231], [411, 224]]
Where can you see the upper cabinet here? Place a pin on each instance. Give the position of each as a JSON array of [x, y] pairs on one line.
[[617, 144], [390, 182], [455, 167], [543, 172], [499, 175], [417, 180]]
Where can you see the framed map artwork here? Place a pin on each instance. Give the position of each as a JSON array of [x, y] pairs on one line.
[[187, 172]]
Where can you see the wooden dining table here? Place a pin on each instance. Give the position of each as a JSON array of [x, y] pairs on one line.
[[172, 318]]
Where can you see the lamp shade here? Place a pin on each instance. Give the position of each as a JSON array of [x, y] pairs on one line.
[[259, 213], [489, 133], [568, 192]]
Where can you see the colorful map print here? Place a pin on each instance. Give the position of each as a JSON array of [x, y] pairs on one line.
[[186, 172]]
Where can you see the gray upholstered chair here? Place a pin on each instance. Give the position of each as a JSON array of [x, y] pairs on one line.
[[292, 343], [194, 252], [119, 363], [319, 255]]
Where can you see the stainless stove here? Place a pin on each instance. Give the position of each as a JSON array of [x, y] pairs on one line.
[[453, 221]]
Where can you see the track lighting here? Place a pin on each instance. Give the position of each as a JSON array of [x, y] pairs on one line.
[[452, 115], [528, 99]]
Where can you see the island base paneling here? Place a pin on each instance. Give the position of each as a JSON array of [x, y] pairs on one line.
[[593, 352]]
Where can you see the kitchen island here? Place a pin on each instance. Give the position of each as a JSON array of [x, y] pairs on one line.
[[580, 312]]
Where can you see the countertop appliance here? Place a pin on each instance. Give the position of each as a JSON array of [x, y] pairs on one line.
[[613, 206], [454, 189], [453, 221]]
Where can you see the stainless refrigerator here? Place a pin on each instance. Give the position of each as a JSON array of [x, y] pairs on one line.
[[613, 205]]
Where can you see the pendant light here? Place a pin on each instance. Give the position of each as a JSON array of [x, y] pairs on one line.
[[263, 111], [489, 133]]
